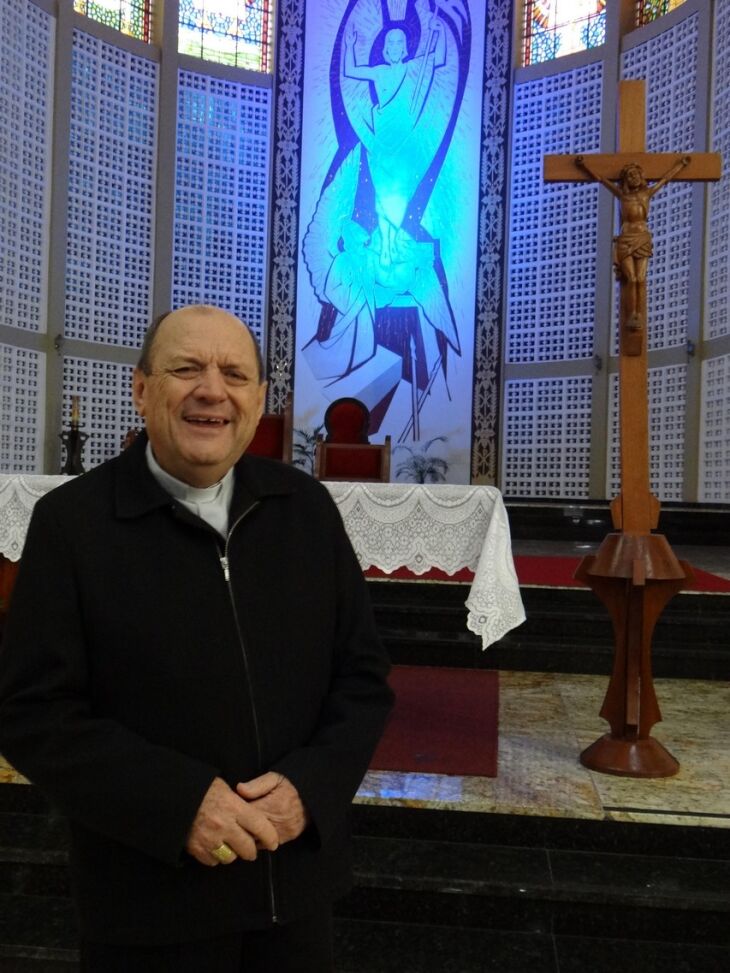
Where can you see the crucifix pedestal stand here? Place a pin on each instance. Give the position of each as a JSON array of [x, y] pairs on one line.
[[635, 572]]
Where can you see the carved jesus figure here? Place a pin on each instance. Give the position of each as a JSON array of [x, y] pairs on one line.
[[633, 245]]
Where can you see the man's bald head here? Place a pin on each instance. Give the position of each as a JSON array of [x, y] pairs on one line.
[[144, 362]]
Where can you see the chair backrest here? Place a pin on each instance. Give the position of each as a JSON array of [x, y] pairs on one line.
[[352, 461], [129, 438], [273, 436], [347, 420]]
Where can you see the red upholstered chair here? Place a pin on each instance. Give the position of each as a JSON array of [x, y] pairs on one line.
[[273, 436], [345, 453]]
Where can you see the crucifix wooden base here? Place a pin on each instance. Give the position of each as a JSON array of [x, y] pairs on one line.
[[634, 575], [635, 572]]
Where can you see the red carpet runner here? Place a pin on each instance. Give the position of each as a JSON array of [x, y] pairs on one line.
[[445, 721], [542, 571], [559, 571]]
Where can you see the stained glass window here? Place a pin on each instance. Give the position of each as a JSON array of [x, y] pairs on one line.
[[648, 10], [237, 32], [556, 27], [129, 16]]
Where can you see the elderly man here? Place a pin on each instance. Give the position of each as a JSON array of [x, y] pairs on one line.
[[191, 673]]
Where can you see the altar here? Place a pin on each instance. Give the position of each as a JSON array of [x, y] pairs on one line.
[[391, 525]]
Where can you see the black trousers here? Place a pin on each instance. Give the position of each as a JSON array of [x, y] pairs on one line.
[[304, 946]]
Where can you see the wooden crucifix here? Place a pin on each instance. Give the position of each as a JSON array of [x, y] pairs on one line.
[[634, 572]]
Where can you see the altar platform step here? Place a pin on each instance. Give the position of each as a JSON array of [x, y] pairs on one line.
[[551, 867], [444, 891], [566, 630], [439, 891], [581, 521], [546, 867]]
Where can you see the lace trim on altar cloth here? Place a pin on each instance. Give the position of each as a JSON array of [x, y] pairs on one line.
[[442, 526], [18, 496]]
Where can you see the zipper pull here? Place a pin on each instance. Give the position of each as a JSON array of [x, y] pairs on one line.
[[224, 565]]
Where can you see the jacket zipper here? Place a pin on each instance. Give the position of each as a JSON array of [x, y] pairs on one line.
[[225, 565]]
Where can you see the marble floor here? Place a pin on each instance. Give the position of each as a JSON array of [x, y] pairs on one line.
[[546, 719]]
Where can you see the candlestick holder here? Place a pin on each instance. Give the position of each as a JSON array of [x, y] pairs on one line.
[[73, 440]]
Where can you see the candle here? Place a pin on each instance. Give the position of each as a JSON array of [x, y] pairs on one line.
[[74, 410]]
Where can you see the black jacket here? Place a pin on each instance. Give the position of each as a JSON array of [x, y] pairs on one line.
[[132, 672]]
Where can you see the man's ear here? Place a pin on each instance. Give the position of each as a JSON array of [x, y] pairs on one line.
[[262, 400], [139, 387]]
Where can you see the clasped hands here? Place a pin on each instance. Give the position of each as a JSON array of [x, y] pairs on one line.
[[262, 813]]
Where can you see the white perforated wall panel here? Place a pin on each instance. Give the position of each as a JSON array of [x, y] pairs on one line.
[[717, 308], [22, 380], [667, 394], [109, 260], [105, 405], [547, 438], [26, 100], [552, 235], [222, 196], [669, 63], [715, 431]]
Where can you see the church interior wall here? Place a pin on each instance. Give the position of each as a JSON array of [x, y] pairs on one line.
[[134, 178], [560, 394]]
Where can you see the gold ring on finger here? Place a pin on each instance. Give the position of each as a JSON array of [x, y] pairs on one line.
[[224, 853]]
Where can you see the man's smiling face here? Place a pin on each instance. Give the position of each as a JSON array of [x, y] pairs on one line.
[[203, 397]]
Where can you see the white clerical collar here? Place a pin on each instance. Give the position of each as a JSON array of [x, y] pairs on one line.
[[209, 503]]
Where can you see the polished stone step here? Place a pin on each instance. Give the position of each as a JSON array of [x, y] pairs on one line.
[[29, 959], [470, 892], [385, 947], [566, 630], [542, 890], [589, 521], [442, 890]]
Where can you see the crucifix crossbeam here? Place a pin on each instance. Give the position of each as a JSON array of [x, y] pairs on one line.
[[701, 167]]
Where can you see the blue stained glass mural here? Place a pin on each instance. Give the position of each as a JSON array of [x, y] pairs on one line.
[[390, 310]]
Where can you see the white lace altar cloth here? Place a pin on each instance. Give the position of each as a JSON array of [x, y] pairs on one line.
[[18, 495], [391, 525], [394, 525]]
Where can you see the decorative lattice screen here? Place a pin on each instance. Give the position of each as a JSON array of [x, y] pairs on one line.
[[667, 393], [717, 306], [715, 432], [105, 405], [551, 287], [109, 258], [668, 62], [552, 235], [221, 196], [22, 380], [547, 431], [26, 100]]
